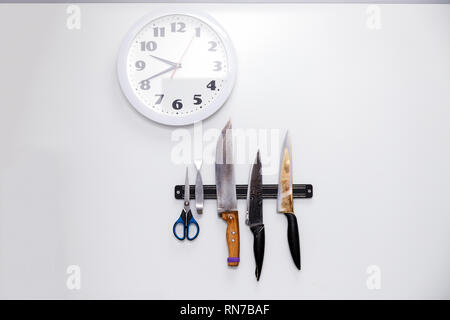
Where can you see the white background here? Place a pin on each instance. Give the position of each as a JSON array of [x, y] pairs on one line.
[[85, 180]]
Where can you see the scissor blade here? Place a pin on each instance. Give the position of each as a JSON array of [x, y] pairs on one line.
[[254, 194], [285, 200], [186, 187], [225, 185]]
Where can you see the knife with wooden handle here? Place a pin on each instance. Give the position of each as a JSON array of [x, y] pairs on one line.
[[226, 193], [285, 200], [232, 220]]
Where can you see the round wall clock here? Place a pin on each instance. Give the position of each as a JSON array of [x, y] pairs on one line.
[[176, 68]]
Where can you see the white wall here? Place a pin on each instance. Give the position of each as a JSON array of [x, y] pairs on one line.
[[85, 180]]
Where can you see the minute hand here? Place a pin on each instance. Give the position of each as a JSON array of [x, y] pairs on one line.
[[161, 73]]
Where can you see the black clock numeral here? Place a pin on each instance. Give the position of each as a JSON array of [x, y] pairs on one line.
[[212, 85], [197, 99], [145, 84], [177, 104], [197, 32], [181, 27], [148, 45]]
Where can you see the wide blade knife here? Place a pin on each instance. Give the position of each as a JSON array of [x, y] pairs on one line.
[[226, 192], [285, 199], [254, 217]]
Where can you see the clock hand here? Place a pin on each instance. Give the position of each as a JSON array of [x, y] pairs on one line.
[[173, 64], [182, 56], [161, 73]]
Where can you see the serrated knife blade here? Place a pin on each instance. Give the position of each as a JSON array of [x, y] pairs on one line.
[[255, 213], [254, 194]]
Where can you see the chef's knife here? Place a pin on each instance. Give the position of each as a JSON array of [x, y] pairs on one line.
[[285, 199], [226, 192], [255, 213]]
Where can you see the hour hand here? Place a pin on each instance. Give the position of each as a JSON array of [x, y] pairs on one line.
[[173, 64], [160, 73]]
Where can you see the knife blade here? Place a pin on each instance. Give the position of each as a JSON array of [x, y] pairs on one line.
[[285, 199], [254, 218], [226, 192], [198, 187], [198, 161]]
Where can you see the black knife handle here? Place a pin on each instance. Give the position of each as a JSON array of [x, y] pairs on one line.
[[258, 247], [293, 238]]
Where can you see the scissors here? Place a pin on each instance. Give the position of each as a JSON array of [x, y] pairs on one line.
[[186, 219]]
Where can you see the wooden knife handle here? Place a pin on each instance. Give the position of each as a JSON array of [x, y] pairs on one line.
[[232, 220]]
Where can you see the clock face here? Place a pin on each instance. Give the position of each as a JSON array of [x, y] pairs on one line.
[[176, 69]]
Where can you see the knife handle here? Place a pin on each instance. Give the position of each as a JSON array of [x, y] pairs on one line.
[[232, 220], [258, 247], [293, 238]]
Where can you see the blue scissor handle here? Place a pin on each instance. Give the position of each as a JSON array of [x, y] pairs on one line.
[[182, 220], [186, 219], [190, 221]]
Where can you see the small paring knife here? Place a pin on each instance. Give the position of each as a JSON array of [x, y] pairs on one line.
[[198, 187], [254, 217], [285, 199]]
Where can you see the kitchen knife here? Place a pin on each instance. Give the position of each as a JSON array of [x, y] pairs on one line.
[[255, 213], [198, 187], [285, 199], [226, 192], [198, 161]]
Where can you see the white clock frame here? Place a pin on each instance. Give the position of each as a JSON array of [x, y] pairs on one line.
[[214, 106]]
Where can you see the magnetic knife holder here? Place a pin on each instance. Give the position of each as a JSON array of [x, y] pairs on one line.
[[269, 191]]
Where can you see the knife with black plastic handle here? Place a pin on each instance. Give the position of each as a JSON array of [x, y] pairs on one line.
[[286, 202], [293, 238], [254, 218]]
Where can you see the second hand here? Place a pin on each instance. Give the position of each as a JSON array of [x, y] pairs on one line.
[[182, 56]]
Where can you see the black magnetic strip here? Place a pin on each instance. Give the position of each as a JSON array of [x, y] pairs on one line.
[[270, 191]]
